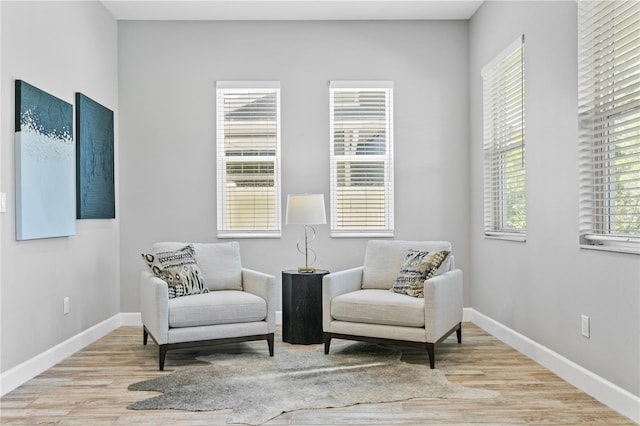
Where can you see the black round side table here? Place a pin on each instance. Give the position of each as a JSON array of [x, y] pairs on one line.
[[302, 307]]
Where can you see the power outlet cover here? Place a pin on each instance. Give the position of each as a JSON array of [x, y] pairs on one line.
[[586, 326]]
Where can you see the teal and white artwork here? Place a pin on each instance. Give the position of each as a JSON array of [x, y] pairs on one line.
[[45, 165]]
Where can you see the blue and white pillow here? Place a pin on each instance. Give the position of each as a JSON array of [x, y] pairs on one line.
[[178, 269]]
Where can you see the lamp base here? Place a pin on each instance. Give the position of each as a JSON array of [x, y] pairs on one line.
[[303, 270]]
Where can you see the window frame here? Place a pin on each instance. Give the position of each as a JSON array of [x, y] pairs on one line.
[[496, 149], [606, 105], [222, 160], [387, 229]]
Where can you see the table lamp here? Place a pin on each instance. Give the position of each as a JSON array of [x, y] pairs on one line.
[[307, 210]]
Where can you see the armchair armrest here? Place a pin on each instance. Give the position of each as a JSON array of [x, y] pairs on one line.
[[334, 285], [154, 306], [262, 285], [442, 303]]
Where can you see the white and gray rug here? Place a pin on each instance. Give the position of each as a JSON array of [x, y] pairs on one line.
[[258, 387]]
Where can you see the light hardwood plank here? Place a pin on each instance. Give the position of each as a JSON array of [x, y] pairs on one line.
[[90, 387]]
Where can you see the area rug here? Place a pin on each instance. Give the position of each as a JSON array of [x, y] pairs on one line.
[[258, 387]]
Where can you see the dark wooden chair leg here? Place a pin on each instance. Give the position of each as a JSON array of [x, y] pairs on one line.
[[327, 342], [459, 333], [162, 350], [270, 343], [432, 354], [145, 336]]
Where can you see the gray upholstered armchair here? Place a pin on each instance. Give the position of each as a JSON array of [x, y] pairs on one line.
[[358, 304], [238, 304]]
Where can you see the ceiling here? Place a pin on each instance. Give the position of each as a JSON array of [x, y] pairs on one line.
[[290, 9]]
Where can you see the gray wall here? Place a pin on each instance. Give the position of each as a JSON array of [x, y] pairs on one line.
[[167, 73], [541, 287], [62, 48]]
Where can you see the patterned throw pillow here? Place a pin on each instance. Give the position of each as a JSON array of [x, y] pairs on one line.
[[179, 270], [417, 267]]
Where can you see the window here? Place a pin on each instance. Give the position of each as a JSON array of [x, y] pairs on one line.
[[361, 132], [248, 159], [609, 124], [504, 148]]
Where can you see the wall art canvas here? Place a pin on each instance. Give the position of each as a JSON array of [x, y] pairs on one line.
[[45, 164], [95, 191]]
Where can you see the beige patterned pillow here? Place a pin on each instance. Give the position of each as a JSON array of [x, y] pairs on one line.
[[417, 267], [179, 270]]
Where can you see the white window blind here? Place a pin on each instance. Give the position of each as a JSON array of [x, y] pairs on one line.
[[361, 132], [503, 93], [248, 159], [609, 123]]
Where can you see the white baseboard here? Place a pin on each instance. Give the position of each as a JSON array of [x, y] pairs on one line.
[[130, 319], [621, 400], [467, 313], [20, 374]]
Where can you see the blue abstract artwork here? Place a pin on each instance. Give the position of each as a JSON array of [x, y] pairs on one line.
[[45, 164], [94, 160]]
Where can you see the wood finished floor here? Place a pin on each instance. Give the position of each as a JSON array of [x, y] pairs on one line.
[[90, 388]]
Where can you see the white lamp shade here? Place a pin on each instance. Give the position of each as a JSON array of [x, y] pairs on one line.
[[305, 209]]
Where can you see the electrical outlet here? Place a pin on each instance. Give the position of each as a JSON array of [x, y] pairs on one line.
[[586, 326], [65, 305]]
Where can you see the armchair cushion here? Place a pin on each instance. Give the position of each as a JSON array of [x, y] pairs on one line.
[[383, 259], [417, 267], [216, 307], [179, 269], [374, 306], [219, 262]]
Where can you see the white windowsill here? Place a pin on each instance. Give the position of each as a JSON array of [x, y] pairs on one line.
[[362, 235], [518, 238], [611, 243], [611, 248], [249, 235]]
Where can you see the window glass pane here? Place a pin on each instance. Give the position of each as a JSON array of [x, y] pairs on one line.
[[250, 195], [514, 201], [360, 195], [620, 172], [250, 121]]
